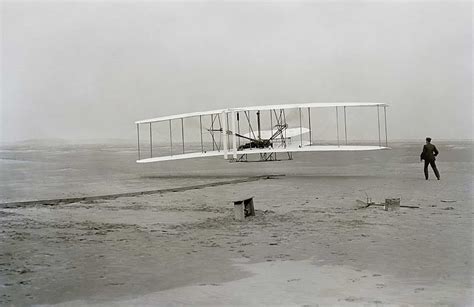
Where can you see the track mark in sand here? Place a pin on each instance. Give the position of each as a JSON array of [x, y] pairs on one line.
[[94, 199], [5, 214], [353, 299], [116, 284]]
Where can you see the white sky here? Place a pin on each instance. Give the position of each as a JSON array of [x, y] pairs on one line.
[[88, 70]]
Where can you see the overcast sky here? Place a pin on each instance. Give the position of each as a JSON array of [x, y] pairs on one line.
[[88, 70]]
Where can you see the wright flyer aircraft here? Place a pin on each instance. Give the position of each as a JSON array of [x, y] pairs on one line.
[[266, 133]]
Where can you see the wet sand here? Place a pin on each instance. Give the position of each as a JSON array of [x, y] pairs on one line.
[[308, 244]]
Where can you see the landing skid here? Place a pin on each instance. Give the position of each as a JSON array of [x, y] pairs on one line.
[[263, 157]]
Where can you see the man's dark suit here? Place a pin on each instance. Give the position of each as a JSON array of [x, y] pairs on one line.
[[429, 155]]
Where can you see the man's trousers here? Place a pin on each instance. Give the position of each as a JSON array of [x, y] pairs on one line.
[[433, 166]]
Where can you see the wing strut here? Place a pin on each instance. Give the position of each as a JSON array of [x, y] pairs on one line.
[[281, 121], [284, 119], [224, 118], [182, 132], [378, 125], [337, 127], [234, 138], [258, 125], [151, 144], [200, 129], [227, 130], [385, 114], [345, 125], [138, 142], [271, 122], [212, 134], [212, 130], [301, 129], [171, 139], [309, 123], [250, 126]]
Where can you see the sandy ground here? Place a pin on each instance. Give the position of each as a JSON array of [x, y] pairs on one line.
[[308, 244]]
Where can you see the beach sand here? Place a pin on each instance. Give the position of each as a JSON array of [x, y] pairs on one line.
[[309, 243]]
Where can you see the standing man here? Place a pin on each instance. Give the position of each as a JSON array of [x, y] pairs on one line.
[[429, 153]]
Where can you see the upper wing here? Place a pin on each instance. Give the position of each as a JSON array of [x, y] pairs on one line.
[[263, 108], [180, 116]]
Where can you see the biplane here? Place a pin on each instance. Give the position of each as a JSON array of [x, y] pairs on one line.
[[237, 133]]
